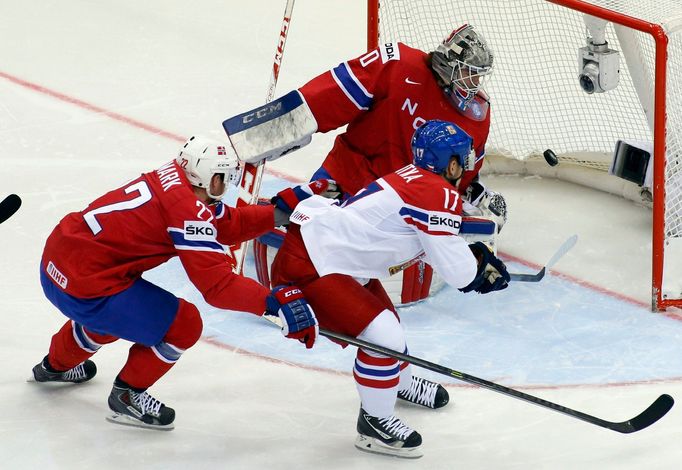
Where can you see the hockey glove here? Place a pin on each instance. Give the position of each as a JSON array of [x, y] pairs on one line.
[[298, 318], [492, 274], [479, 201], [287, 199]]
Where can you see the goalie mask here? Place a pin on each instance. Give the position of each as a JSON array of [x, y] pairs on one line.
[[463, 62], [201, 158], [435, 143]]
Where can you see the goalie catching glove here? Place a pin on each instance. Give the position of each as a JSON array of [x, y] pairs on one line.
[[491, 275], [297, 317], [287, 199], [479, 201]]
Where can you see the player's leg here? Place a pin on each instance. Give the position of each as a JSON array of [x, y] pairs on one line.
[[72, 346], [341, 304], [162, 328], [68, 357], [411, 388]]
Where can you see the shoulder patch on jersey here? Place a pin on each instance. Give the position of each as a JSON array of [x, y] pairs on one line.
[[444, 222], [389, 51], [196, 230]]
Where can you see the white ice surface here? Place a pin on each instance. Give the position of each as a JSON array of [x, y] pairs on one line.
[[93, 93]]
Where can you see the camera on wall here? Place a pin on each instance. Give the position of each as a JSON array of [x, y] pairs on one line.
[[598, 65]]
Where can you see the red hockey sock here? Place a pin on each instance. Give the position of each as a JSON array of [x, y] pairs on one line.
[[146, 365], [73, 344]]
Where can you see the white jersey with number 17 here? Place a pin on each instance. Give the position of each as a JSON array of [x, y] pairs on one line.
[[392, 223]]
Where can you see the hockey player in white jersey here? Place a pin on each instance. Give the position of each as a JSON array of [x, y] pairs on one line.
[[336, 252]]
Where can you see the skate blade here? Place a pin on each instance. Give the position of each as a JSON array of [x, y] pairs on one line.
[[126, 420], [375, 446]]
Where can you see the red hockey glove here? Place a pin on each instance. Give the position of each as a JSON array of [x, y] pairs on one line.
[[298, 318], [287, 199]]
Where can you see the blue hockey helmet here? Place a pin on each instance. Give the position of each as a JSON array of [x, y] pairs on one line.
[[435, 142]]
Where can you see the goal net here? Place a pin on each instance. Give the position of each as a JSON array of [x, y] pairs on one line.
[[538, 102]]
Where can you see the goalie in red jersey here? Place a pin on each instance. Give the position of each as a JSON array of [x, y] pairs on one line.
[[93, 262], [383, 96]]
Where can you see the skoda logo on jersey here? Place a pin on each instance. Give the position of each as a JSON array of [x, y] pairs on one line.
[[444, 222], [389, 51], [197, 230]]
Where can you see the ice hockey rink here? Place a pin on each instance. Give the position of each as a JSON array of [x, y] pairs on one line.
[[92, 93]]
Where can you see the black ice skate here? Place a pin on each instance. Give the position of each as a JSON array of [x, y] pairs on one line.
[[43, 372], [426, 393], [139, 409], [388, 436]]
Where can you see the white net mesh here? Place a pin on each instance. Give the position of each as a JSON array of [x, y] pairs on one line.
[[537, 102]]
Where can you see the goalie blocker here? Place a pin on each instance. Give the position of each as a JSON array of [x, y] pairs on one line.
[[414, 283]]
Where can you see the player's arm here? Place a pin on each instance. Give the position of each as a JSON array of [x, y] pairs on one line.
[[326, 102], [210, 270], [238, 224]]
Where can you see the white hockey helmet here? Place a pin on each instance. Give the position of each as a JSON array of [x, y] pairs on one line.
[[463, 61], [201, 158]]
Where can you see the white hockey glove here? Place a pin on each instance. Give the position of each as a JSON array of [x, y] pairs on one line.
[[482, 202]]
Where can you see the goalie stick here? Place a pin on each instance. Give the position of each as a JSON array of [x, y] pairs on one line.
[[563, 249], [9, 206], [646, 418], [249, 187]]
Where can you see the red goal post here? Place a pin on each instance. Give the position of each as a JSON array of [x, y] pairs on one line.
[[538, 41]]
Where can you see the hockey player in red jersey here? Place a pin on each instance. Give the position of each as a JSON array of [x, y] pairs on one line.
[[383, 96], [93, 262], [335, 254]]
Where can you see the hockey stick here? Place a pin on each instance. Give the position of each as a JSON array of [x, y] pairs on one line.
[[646, 418], [563, 249], [249, 187], [9, 206]]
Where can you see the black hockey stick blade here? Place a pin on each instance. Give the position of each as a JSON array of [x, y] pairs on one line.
[[537, 277], [646, 418], [528, 277], [653, 413], [9, 206]]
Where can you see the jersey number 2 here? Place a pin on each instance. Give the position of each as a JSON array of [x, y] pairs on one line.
[[143, 195]]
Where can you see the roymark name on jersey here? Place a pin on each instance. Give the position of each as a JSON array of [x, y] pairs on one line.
[[389, 51], [444, 222], [197, 230], [168, 176]]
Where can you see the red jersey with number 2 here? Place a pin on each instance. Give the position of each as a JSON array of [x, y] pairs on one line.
[[103, 249]]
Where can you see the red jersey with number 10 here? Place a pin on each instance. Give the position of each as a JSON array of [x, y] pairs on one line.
[[384, 96]]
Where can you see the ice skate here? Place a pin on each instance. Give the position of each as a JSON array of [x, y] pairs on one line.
[[388, 436], [43, 372], [139, 409], [425, 393]]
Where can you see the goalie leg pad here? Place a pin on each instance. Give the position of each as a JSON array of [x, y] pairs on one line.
[[272, 130]]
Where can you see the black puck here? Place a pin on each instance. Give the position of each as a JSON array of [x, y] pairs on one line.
[[550, 157]]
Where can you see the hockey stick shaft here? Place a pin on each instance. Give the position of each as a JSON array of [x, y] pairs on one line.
[[249, 187], [563, 249], [9, 206], [653, 413]]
